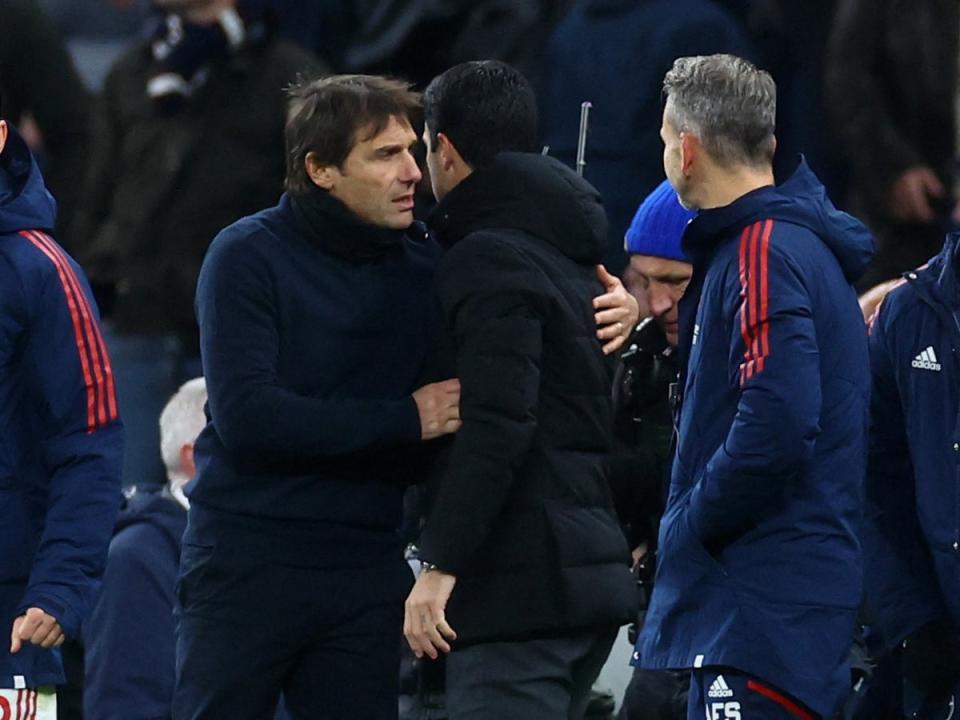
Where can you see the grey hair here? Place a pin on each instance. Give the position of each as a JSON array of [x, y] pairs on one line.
[[728, 103], [180, 422]]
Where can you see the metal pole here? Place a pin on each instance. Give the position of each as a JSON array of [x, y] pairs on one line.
[[582, 140]]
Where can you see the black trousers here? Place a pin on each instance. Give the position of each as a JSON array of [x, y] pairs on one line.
[[328, 639], [543, 679]]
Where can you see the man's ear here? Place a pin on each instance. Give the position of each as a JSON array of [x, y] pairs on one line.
[[3, 134], [690, 149], [449, 155], [186, 460], [323, 176]]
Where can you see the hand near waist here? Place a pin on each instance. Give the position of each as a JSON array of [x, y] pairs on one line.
[[37, 627], [425, 624]]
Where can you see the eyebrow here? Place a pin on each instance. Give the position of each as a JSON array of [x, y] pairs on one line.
[[394, 148], [672, 278]]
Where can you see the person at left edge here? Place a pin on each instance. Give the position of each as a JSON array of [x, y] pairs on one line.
[[60, 440], [316, 317]]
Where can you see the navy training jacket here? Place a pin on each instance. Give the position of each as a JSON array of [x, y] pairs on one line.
[[60, 436], [760, 565], [912, 534]]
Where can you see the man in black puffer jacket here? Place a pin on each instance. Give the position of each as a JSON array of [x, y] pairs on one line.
[[521, 550]]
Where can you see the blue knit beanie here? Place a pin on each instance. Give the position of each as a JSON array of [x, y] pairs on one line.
[[658, 226]]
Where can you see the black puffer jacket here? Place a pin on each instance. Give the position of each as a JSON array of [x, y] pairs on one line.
[[522, 513]]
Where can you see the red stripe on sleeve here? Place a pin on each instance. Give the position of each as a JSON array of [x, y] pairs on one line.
[[64, 267], [106, 393], [753, 271], [748, 306], [744, 301], [77, 333], [764, 296], [779, 699]]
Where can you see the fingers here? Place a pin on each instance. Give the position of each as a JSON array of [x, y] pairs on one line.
[[424, 624], [609, 332], [618, 314], [918, 202], [606, 279], [36, 627], [932, 184], [444, 628], [612, 346], [438, 406], [416, 624], [15, 642]]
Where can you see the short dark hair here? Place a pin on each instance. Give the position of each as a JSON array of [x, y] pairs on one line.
[[485, 107], [728, 103], [324, 117]]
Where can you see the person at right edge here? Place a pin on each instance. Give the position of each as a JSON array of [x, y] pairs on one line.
[[760, 570], [911, 538]]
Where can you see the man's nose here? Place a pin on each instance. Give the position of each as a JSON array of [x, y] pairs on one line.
[[660, 302], [411, 171]]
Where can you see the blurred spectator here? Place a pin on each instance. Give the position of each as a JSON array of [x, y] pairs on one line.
[[911, 535], [188, 138], [129, 637], [892, 86], [97, 32], [130, 643], [418, 40], [614, 53], [791, 40], [41, 86]]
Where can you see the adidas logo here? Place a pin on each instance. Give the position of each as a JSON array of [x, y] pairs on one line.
[[719, 689], [927, 360]]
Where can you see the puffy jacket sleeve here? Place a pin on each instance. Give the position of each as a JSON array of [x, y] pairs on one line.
[[902, 590], [774, 364], [70, 382], [492, 315], [252, 410]]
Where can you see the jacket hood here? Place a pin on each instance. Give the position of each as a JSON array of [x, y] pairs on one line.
[[939, 279], [25, 203], [529, 192], [159, 508], [801, 200]]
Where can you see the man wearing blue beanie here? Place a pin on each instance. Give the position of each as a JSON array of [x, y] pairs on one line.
[[660, 268], [657, 274]]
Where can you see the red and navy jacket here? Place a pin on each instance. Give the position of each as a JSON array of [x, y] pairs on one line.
[[60, 436], [912, 534], [760, 566]]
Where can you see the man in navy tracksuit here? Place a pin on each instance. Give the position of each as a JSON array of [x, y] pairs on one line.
[[759, 575], [60, 440], [912, 534]]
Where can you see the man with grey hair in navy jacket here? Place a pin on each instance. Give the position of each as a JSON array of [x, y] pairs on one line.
[[760, 570]]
